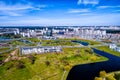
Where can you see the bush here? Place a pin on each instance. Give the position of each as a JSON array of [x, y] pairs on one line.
[[77, 51], [1, 61], [64, 58], [117, 76], [65, 62], [47, 63], [10, 66], [103, 74], [93, 58], [111, 77], [62, 68], [97, 55], [67, 67], [89, 51], [98, 78], [20, 65], [32, 58], [77, 55]]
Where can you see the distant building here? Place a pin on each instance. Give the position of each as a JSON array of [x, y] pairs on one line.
[[39, 33], [112, 46], [118, 49], [49, 33], [4, 44], [49, 37]]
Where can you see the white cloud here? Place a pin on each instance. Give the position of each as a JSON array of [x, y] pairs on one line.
[[13, 13], [14, 7], [17, 9], [78, 11], [79, 21], [87, 14], [93, 2], [20, 7], [104, 7]]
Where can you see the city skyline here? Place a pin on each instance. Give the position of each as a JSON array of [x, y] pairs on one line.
[[59, 12]]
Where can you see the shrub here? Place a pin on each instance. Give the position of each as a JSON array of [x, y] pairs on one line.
[[67, 67], [77, 55], [98, 78], [77, 51], [32, 58], [111, 77], [93, 58], [10, 66], [65, 62], [47, 63], [89, 51], [20, 65], [64, 58], [1, 61], [117, 76], [97, 55], [103, 74]]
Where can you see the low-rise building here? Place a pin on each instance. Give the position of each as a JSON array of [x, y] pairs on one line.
[[118, 49], [39, 50], [114, 47]]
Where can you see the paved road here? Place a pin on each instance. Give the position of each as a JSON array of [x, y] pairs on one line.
[[11, 54], [11, 48]]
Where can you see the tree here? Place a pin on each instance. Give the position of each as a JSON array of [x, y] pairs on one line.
[[77, 55], [103, 74], [20, 65], [47, 63], [110, 77], [98, 78], [32, 58], [1, 61], [117, 76], [93, 58], [77, 51], [67, 67], [90, 51]]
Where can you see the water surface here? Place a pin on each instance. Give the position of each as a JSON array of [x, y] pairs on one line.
[[89, 71]]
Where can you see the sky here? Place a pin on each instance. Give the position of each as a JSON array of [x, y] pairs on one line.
[[59, 12]]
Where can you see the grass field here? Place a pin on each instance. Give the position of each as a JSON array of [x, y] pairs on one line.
[[20, 43], [91, 42], [66, 42], [33, 39], [3, 55], [58, 42], [48, 66]]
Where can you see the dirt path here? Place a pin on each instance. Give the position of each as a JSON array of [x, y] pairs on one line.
[[12, 54]]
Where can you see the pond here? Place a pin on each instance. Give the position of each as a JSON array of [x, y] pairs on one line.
[[90, 70], [80, 42], [5, 39]]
